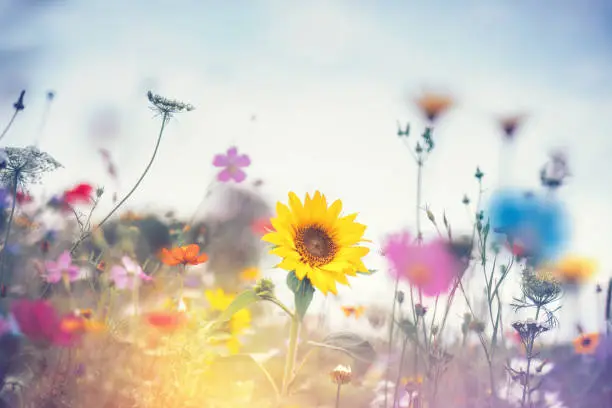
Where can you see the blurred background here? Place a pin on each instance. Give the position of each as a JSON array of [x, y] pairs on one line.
[[313, 93]]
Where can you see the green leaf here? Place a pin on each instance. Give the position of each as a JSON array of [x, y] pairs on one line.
[[243, 300], [360, 350], [303, 293], [369, 272]]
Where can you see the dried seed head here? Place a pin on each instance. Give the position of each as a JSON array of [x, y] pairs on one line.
[[420, 310], [341, 375], [167, 106]]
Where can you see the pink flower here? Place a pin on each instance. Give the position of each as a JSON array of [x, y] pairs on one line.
[[430, 267], [63, 267], [39, 322], [126, 276], [233, 164]]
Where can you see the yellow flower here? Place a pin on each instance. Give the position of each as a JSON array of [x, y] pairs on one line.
[[240, 321], [250, 274], [218, 299], [575, 269], [316, 243]]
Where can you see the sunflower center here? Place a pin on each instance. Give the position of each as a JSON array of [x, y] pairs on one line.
[[586, 342], [315, 245]]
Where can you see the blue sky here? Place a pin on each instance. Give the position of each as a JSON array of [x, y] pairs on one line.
[[328, 81]]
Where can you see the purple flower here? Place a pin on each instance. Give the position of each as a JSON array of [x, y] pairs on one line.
[[62, 268], [126, 276], [233, 164]]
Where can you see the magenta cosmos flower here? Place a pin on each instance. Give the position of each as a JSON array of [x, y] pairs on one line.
[[430, 267], [233, 164], [38, 321], [61, 268]]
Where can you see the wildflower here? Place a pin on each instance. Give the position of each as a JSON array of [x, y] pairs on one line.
[[341, 375], [62, 268], [316, 242], [554, 173], [529, 329], [586, 343], [356, 311], [128, 275], [25, 166], [238, 323], [81, 193], [167, 107], [537, 224], [249, 274], [434, 105], [420, 310], [39, 322], [78, 325], [430, 267], [185, 255], [167, 321], [23, 198], [540, 288], [218, 300], [233, 164], [574, 269], [262, 226], [412, 384], [509, 125]]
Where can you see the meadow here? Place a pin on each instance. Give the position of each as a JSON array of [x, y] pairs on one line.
[[130, 309]]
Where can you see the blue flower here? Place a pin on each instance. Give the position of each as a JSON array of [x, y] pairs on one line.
[[537, 224]]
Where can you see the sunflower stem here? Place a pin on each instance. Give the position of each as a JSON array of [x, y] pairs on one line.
[[291, 354]]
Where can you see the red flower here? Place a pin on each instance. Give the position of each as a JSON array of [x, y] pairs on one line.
[[81, 193], [166, 321], [262, 226], [39, 322], [23, 198]]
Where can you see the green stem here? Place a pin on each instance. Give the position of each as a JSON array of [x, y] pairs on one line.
[[8, 126], [8, 228], [291, 355], [338, 396], [391, 331], [279, 304], [399, 371], [83, 237]]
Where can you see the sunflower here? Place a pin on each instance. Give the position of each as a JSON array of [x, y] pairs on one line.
[[586, 343], [317, 243]]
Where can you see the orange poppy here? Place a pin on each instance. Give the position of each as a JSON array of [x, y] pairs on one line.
[[186, 255], [433, 105], [356, 311], [586, 343], [78, 325]]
